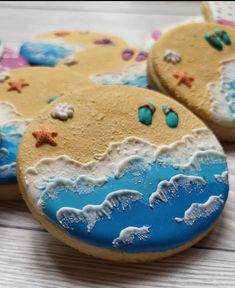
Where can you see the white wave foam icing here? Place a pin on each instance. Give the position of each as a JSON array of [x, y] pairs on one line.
[[91, 214], [10, 119], [188, 153], [222, 95], [128, 235], [223, 178], [126, 75], [201, 210], [167, 189]]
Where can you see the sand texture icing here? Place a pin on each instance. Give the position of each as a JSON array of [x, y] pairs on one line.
[[113, 66], [115, 193], [22, 87], [202, 90]]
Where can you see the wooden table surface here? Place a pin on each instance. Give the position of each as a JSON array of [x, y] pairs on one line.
[[29, 256]]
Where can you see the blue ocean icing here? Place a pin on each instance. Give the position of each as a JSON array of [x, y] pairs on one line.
[[43, 54], [165, 233], [9, 144]]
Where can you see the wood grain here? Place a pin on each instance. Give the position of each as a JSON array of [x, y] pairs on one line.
[[29, 256]]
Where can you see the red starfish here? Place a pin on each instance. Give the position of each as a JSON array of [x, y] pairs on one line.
[[44, 137], [17, 85], [61, 34], [184, 78]]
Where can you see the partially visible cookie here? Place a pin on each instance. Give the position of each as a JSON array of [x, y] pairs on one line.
[[49, 48], [195, 64], [110, 66], [23, 93], [9, 60], [122, 173], [221, 12]]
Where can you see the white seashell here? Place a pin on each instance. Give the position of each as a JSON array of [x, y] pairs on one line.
[[4, 76], [172, 56], [63, 112]]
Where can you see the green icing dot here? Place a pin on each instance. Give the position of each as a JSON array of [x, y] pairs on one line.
[[172, 118], [145, 113], [52, 99]]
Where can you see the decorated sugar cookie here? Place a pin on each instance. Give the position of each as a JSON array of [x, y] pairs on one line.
[[221, 12], [123, 173], [23, 93], [195, 63], [10, 60], [49, 48], [111, 66]]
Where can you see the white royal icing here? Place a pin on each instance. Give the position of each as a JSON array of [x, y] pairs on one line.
[[167, 189], [185, 153], [222, 10], [201, 210], [172, 56], [90, 214], [62, 111], [127, 235], [222, 95], [223, 178]]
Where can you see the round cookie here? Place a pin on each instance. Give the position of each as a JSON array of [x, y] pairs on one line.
[[49, 48], [221, 12], [23, 93], [111, 66], [133, 176], [195, 63], [10, 60]]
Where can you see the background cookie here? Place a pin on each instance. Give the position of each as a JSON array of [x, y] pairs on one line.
[[50, 48], [131, 175], [23, 93], [222, 12], [195, 63], [113, 65], [10, 60]]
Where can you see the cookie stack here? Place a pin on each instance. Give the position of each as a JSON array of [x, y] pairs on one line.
[[109, 167]]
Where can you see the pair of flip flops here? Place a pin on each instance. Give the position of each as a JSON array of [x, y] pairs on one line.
[[218, 39], [128, 54]]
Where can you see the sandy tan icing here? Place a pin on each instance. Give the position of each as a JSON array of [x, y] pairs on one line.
[[88, 133], [43, 83]]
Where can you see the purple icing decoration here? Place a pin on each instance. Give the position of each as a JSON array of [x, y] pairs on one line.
[[104, 41], [141, 56], [10, 60], [127, 54]]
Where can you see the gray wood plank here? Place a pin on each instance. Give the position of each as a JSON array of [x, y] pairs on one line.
[[131, 7], [35, 259]]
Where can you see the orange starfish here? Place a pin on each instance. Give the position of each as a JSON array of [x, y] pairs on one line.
[[61, 34], [17, 85], [44, 137], [184, 78]]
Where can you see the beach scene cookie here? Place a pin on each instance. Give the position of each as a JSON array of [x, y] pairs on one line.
[[111, 66], [221, 12], [23, 93], [122, 173], [203, 79], [49, 48]]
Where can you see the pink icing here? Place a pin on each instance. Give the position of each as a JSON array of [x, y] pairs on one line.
[[156, 34], [10, 60], [226, 22], [127, 54]]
